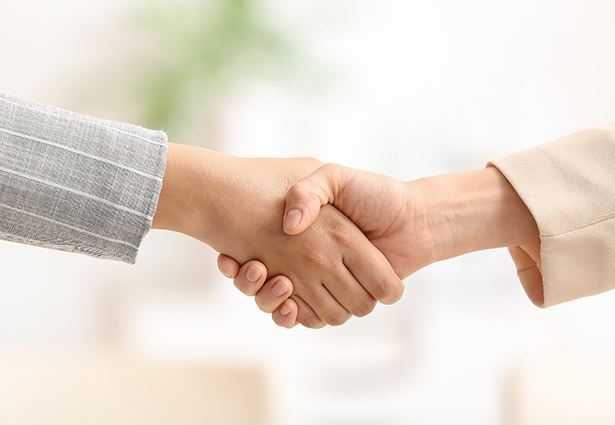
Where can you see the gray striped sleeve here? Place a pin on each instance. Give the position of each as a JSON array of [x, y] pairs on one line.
[[77, 183]]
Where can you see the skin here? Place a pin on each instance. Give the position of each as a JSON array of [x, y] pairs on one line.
[[413, 224], [235, 205]]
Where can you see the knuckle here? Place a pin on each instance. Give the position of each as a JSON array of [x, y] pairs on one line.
[[340, 232], [337, 318], [378, 290], [340, 235], [317, 257], [311, 322], [364, 307], [391, 291], [382, 289]]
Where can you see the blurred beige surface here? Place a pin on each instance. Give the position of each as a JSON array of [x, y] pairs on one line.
[[564, 391], [103, 389]]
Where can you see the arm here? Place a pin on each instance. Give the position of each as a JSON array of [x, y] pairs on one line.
[[93, 186], [568, 186], [77, 183]]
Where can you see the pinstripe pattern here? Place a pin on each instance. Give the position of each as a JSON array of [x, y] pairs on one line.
[[51, 111], [77, 183], [35, 139], [69, 226]]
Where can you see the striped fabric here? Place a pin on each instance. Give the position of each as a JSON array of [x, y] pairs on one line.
[[77, 183]]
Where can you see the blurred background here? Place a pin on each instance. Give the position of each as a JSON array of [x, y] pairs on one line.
[[409, 89]]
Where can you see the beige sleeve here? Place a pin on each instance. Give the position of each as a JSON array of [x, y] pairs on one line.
[[569, 187]]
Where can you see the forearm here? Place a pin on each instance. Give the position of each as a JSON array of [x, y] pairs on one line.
[[473, 211]]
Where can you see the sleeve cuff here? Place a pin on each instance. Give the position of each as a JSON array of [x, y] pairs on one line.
[[568, 186], [77, 183]]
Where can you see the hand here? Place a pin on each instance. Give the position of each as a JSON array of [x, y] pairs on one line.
[[377, 204], [417, 223], [235, 205]]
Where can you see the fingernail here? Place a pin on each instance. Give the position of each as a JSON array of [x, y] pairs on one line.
[[225, 273], [278, 289], [292, 219], [284, 310], [252, 274]]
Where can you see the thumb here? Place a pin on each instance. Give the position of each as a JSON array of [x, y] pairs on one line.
[[305, 197]]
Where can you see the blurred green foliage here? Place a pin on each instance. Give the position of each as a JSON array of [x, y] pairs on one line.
[[201, 50]]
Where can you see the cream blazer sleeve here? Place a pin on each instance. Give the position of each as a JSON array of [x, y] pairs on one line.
[[569, 187]]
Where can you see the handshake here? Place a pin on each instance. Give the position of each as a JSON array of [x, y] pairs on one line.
[[317, 244]]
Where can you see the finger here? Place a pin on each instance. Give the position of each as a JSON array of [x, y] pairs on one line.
[[306, 315], [371, 268], [273, 293], [324, 304], [286, 314], [251, 277], [305, 197], [228, 266], [533, 250], [529, 275], [350, 293]]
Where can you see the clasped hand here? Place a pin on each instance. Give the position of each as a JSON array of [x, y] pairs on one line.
[[386, 212], [236, 206], [317, 243]]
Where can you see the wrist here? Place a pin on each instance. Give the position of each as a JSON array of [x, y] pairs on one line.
[[188, 191], [472, 211]]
